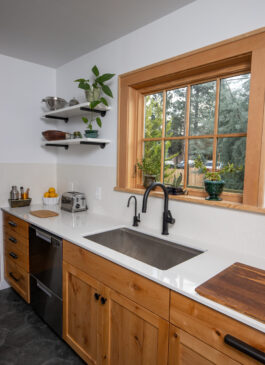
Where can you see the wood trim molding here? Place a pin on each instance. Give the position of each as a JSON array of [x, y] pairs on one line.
[[242, 53]]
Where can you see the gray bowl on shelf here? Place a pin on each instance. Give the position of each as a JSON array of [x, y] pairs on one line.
[[54, 103]]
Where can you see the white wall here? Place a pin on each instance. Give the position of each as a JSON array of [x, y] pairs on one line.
[[22, 161], [196, 25]]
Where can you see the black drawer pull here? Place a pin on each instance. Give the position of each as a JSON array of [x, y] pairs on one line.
[[12, 254], [245, 348], [11, 223], [103, 300], [12, 239], [97, 296], [13, 277]]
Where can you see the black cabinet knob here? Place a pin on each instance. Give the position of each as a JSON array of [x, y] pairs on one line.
[[97, 296], [103, 300]]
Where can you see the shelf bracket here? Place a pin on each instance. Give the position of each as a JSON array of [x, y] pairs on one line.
[[55, 117], [101, 112], [66, 146], [102, 145]]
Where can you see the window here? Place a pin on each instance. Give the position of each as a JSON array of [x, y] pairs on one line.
[[208, 102], [207, 119]]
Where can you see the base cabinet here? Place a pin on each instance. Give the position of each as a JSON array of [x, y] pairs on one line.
[[104, 327], [185, 349]]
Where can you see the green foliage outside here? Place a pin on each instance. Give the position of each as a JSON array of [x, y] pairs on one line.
[[233, 115]]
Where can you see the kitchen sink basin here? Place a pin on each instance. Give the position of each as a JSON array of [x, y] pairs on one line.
[[151, 250]]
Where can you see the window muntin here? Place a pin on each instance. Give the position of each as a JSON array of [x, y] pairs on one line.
[[207, 118]]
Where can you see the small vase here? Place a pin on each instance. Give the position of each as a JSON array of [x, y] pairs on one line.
[[148, 180], [91, 133], [214, 189], [93, 95]]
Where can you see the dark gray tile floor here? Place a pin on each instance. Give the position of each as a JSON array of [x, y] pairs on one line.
[[25, 339]]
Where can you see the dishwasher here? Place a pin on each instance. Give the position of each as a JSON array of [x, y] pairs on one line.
[[45, 259]]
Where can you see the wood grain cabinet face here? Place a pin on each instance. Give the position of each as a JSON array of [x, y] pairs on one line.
[[137, 336], [16, 248], [104, 327], [185, 349], [83, 315]]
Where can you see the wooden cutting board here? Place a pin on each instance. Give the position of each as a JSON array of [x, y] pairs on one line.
[[43, 213], [240, 287]]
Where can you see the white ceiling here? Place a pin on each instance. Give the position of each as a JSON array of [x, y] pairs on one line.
[[54, 32]]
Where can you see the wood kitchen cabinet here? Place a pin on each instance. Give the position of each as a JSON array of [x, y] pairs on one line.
[[185, 349], [106, 327], [200, 332], [16, 249]]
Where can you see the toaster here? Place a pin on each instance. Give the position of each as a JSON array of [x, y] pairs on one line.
[[72, 201]]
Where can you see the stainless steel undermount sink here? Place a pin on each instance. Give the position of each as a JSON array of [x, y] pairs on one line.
[[151, 250]]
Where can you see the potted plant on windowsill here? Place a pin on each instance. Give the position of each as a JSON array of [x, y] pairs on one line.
[[174, 188], [150, 168], [213, 182]]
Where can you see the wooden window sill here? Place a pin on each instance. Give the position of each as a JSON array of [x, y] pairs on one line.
[[197, 200]]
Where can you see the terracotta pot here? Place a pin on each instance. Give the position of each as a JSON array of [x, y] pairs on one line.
[[214, 189]]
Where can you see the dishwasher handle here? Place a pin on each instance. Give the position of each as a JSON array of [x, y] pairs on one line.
[[43, 235], [245, 348]]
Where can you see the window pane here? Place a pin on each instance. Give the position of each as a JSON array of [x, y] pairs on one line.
[[152, 155], [153, 115], [233, 104], [202, 108], [232, 150], [176, 112], [204, 148], [174, 160]]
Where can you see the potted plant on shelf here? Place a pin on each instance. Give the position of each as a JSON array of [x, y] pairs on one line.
[[213, 182], [90, 132], [150, 168], [94, 88]]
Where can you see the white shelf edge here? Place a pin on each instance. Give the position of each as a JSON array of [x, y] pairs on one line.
[[76, 141], [74, 110]]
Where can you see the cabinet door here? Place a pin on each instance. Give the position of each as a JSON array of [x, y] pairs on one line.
[[137, 336], [83, 315], [185, 349]]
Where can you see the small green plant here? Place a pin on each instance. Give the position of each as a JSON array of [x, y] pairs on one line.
[[97, 83], [149, 166], [217, 174], [89, 123], [177, 181]]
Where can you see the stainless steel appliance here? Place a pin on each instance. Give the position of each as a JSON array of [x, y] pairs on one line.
[[45, 252], [73, 201]]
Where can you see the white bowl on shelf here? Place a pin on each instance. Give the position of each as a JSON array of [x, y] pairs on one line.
[[51, 201]]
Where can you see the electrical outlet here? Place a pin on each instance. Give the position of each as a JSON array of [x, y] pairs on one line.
[[98, 193]]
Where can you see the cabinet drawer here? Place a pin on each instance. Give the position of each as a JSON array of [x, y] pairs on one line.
[[211, 327], [15, 224], [20, 258], [16, 239], [135, 287], [17, 278]]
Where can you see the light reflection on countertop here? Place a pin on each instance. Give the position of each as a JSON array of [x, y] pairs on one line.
[[183, 278]]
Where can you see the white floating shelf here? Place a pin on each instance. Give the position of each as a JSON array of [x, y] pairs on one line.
[[76, 110], [85, 141]]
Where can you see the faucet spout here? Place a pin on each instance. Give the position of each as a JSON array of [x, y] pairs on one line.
[[167, 216]]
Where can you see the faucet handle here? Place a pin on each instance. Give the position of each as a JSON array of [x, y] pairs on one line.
[[170, 219]]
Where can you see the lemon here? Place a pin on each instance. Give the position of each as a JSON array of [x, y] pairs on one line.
[[46, 195], [52, 195], [52, 190]]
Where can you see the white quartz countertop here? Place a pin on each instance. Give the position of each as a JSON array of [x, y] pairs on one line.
[[183, 278]]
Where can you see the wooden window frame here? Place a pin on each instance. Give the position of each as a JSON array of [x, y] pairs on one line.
[[242, 54]]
